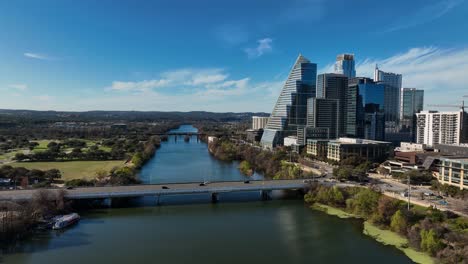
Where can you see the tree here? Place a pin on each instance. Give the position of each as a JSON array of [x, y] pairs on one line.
[[398, 223], [430, 243], [52, 175], [386, 208]]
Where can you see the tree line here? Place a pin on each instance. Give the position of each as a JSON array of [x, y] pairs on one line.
[[443, 235]]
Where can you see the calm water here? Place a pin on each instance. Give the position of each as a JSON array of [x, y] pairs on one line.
[[280, 231]]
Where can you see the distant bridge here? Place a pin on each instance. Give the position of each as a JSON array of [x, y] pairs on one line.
[[158, 190]]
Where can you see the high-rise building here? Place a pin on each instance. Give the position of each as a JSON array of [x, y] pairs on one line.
[[259, 122], [435, 127], [412, 102], [365, 109], [392, 83], [345, 65], [324, 113], [290, 111], [334, 86]]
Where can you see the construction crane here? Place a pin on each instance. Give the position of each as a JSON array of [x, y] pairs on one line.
[[462, 106]]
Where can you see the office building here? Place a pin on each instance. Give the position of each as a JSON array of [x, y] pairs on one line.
[[412, 102], [364, 115], [324, 113], [454, 171], [334, 86], [317, 148], [433, 127], [290, 111], [392, 82], [343, 148], [259, 122], [345, 65]]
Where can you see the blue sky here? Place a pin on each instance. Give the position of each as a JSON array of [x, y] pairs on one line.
[[217, 55]]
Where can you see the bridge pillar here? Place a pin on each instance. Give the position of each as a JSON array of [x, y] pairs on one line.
[[157, 200], [214, 197], [266, 195]]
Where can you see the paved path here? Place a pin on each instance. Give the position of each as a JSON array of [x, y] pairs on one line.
[[157, 189]]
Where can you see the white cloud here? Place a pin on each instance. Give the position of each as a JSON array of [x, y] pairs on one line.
[[176, 78], [425, 15], [138, 86], [264, 46], [37, 56], [18, 86], [442, 73], [44, 98]]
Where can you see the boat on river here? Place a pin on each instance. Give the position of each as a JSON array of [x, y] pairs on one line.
[[66, 220]]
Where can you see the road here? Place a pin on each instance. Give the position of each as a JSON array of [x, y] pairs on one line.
[[161, 189]]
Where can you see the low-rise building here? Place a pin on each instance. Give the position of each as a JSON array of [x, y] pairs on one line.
[[290, 141], [454, 171], [454, 149], [317, 148], [369, 149], [254, 135], [342, 148]]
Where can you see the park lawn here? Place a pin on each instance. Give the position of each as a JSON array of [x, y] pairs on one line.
[[388, 237], [73, 169], [9, 155]]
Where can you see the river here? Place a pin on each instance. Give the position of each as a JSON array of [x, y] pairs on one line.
[[232, 231]]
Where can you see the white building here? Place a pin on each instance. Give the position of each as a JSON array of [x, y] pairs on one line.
[[410, 147], [435, 127], [259, 122], [290, 141]]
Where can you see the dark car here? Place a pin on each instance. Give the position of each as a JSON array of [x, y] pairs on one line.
[[70, 188], [247, 181], [165, 187]]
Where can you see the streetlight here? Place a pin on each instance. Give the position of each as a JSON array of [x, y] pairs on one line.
[[409, 192]]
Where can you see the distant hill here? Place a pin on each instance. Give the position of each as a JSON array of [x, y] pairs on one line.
[[7, 116]]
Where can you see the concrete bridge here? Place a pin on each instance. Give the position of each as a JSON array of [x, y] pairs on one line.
[[158, 190]]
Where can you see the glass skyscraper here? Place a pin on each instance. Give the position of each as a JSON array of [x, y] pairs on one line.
[[334, 86], [345, 65], [412, 102], [290, 111], [365, 109], [392, 83]]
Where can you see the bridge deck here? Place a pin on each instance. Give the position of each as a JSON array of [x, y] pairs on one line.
[[156, 189]]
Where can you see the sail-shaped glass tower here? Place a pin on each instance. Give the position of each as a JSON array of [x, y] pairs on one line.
[[290, 111]]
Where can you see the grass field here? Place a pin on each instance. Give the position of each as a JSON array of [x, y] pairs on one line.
[[388, 237], [73, 169]]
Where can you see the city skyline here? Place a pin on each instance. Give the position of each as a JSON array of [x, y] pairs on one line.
[[128, 59]]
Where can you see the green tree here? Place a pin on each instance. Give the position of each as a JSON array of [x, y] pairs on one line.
[[398, 222], [430, 243], [246, 168]]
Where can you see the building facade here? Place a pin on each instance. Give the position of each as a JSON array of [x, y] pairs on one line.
[[433, 127], [412, 102], [290, 111], [454, 172], [334, 86], [365, 116], [324, 113], [345, 65], [259, 122], [392, 82], [343, 148]]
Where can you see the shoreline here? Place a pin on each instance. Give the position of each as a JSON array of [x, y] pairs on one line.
[[382, 236]]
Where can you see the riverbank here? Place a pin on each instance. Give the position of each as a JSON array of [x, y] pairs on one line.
[[422, 233], [385, 237]]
